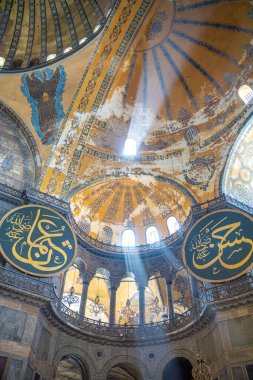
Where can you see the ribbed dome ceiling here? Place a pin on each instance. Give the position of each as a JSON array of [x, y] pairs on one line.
[[33, 31], [103, 211]]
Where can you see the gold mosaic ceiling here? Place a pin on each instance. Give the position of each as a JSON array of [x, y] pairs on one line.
[[32, 31], [165, 73], [105, 210]]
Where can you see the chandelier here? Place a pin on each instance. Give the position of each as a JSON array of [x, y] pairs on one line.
[[200, 370], [95, 308], [70, 298], [155, 310], [128, 313]]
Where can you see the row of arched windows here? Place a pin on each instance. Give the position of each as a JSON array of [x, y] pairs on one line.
[[128, 236], [152, 234]]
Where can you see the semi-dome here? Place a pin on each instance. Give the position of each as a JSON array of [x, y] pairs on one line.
[[130, 211], [32, 33]]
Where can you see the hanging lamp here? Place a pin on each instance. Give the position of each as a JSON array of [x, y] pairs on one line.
[[95, 308], [71, 298], [127, 312]]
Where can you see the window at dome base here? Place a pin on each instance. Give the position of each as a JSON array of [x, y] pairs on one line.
[[67, 49], [82, 40], [152, 235], [51, 56], [2, 60], [172, 224], [128, 238], [246, 93], [96, 28], [130, 147]]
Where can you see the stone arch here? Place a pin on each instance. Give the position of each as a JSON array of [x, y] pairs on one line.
[[172, 355], [16, 124], [129, 360], [79, 354], [179, 368]]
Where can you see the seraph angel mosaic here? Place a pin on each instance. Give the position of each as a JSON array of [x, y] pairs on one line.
[[44, 90]]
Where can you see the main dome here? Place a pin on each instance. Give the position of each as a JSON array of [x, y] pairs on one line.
[[33, 32]]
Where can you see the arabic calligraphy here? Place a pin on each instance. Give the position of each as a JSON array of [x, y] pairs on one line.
[[219, 246], [37, 240]]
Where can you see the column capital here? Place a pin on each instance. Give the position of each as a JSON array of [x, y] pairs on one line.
[[86, 276], [142, 285], [114, 285]]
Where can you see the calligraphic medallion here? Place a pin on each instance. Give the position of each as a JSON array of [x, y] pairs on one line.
[[37, 240], [219, 246]]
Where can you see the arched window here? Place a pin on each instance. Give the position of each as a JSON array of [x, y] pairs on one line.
[[2, 60], [172, 224], [246, 93], [128, 238], [130, 147], [96, 28], [152, 235], [51, 56], [67, 49]]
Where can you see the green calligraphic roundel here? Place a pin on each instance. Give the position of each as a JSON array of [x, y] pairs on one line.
[[219, 247], [37, 240]]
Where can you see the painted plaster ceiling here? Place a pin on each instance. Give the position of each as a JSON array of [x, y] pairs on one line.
[[32, 31]]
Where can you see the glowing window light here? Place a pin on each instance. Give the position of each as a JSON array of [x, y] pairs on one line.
[[2, 60], [172, 224], [96, 28], [130, 147], [82, 40], [246, 93], [152, 235], [67, 49], [51, 56], [128, 238]]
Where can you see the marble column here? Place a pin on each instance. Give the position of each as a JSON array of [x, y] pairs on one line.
[[170, 300], [63, 284], [194, 288], [141, 304], [112, 304], [86, 283]]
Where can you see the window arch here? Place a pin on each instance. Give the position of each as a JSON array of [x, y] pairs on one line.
[[130, 147], [128, 238], [172, 224], [152, 235], [246, 93]]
